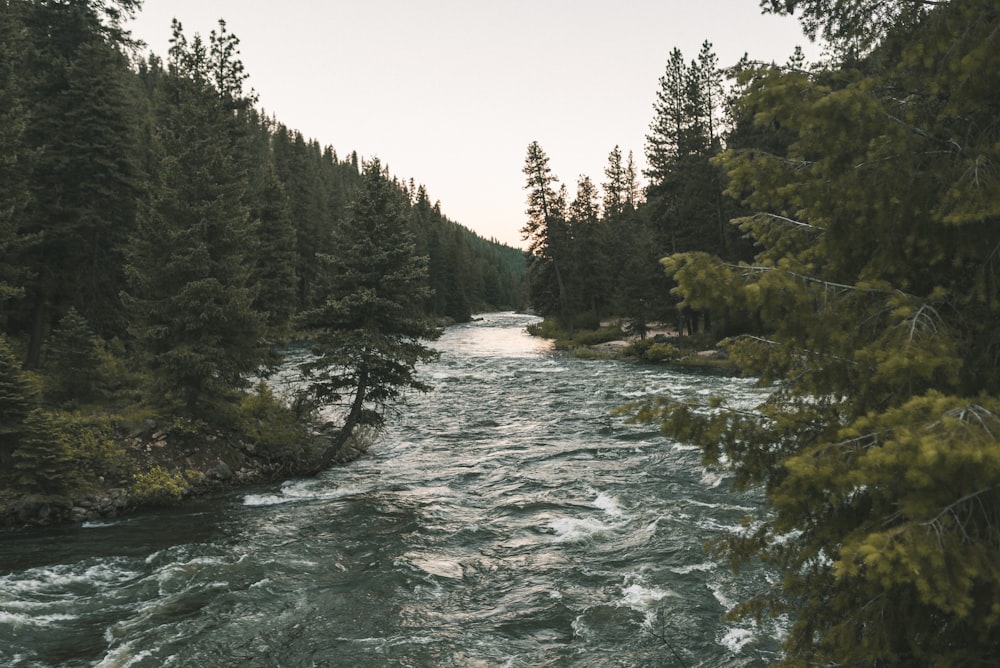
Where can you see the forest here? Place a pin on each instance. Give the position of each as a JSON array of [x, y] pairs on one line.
[[163, 243], [837, 226], [834, 226]]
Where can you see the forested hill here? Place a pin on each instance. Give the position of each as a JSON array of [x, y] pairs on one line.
[[101, 153], [162, 240]]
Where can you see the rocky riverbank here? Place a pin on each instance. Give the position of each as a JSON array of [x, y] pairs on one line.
[[163, 473]]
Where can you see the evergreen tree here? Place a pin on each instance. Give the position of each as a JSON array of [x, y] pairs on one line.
[[189, 266], [853, 27], [876, 283], [43, 461], [548, 238], [631, 183], [685, 191], [274, 260], [370, 329], [72, 361], [14, 156], [616, 193], [587, 265], [15, 403], [82, 184]]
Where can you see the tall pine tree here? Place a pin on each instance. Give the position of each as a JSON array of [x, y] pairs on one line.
[[548, 237], [877, 286], [190, 263]]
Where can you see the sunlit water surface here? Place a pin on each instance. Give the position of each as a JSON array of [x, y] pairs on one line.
[[504, 519]]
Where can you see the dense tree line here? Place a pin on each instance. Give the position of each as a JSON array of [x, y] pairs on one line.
[[161, 239], [868, 304], [597, 255]]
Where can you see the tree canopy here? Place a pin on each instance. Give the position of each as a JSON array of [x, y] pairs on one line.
[[874, 208]]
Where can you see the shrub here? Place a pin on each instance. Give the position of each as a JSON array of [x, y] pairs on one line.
[[157, 485], [272, 426], [99, 450], [661, 352]]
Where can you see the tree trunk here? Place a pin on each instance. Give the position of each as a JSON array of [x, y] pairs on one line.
[[34, 356], [350, 423]]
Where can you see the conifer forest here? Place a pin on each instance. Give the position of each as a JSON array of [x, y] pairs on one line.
[[163, 242], [833, 228], [837, 226]]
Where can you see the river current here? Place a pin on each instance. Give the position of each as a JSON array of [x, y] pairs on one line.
[[505, 518]]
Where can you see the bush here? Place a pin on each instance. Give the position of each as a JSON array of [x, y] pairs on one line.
[[99, 451], [601, 335], [157, 485], [662, 352], [637, 349], [550, 328], [273, 427]]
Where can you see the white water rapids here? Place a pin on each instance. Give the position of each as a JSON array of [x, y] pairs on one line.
[[504, 519]]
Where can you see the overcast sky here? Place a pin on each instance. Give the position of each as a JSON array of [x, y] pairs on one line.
[[451, 92]]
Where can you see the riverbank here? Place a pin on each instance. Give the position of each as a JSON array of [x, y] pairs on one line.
[[162, 468], [658, 344], [505, 518]]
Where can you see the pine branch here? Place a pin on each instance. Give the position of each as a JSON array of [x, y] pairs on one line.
[[784, 219]]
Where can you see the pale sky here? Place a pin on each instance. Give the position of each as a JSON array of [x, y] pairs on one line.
[[451, 92]]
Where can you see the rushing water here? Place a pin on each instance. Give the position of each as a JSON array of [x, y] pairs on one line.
[[504, 519]]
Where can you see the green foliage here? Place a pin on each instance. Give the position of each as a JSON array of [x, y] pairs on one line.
[[43, 461], [549, 328], [73, 362], [369, 332], [191, 294], [548, 234], [99, 451], [600, 335], [274, 429], [14, 155], [853, 27], [876, 296], [662, 352], [15, 402], [80, 132], [157, 485]]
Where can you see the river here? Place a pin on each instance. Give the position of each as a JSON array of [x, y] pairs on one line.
[[505, 518]]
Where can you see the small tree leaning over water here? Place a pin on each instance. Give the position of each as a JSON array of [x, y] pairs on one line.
[[369, 331]]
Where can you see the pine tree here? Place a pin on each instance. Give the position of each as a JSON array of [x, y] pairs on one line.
[[15, 403], [548, 237], [684, 192], [83, 188], [876, 285], [616, 194], [588, 260], [853, 27], [369, 332], [43, 461], [274, 261], [190, 263], [631, 183], [72, 361], [14, 155]]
